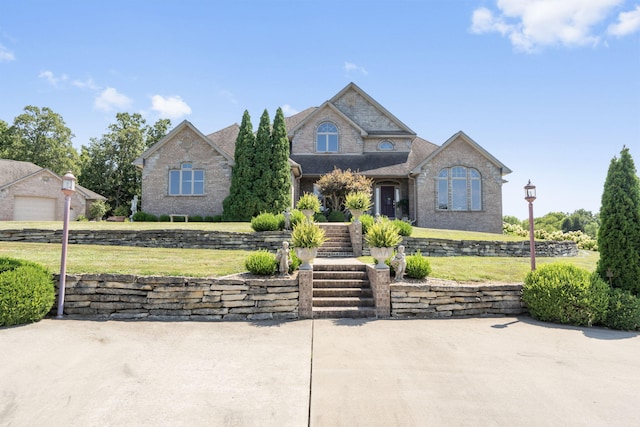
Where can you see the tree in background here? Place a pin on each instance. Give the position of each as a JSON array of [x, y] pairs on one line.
[[279, 164], [241, 203], [40, 136], [263, 187], [619, 234], [335, 186], [108, 161]]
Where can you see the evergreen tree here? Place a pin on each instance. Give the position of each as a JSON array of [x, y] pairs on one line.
[[241, 203], [619, 233], [263, 188], [280, 169]]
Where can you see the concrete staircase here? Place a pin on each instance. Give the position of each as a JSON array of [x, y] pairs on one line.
[[341, 290], [338, 242]]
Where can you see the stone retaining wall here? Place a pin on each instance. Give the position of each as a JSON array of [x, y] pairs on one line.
[[272, 240], [437, 300], [238, 297]]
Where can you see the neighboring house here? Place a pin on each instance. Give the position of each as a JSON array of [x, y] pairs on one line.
[[457, 185], [31, 193]]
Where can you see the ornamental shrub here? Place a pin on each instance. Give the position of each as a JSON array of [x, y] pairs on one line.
[[98, 210], [336, 216], [196, 218], [404, 228], [383, 234], [565, 293], [367, 221], [121, 210], [162, 218], [27, 292], [319, 217], [261, 262], [418, 266], [144, 217], [624, 310], [266, 222]]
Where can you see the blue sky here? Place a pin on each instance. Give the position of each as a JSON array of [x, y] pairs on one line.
[[550, 88]]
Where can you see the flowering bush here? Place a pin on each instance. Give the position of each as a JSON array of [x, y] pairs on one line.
[[584, 241]]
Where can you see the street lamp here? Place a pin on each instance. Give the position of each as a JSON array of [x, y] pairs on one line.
[[530, 196], [68, 188]]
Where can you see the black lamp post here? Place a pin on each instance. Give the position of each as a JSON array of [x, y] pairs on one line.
[[68, 188], [530, 196]]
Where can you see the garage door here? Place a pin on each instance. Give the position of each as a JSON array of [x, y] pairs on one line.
[[34, 209]]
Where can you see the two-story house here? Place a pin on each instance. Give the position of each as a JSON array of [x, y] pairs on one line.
[[457, 185]]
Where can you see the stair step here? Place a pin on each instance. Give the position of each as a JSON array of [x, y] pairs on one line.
[[340, 275], [343, 312], [340, 283], [342, 292], [342, 302], [318, 267]]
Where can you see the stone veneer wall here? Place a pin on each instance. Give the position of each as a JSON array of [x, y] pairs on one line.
[[239, 297], [455, 300], [272, 240]]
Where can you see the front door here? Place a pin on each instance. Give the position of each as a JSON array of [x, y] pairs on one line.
[[387, 202]]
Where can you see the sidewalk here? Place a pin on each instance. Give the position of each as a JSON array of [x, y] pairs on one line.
[[488, 371]]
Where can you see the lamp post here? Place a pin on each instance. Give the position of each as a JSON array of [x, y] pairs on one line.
[[530, 196], [68, 188]]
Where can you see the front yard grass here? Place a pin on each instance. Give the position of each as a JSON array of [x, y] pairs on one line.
[[217, 263]]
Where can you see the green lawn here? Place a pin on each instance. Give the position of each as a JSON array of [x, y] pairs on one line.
[[216, 263]]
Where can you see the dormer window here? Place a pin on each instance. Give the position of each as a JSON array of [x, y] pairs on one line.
[[327, 138], [386, 146]]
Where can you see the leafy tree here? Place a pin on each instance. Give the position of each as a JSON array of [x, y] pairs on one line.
[[549, 222], [510, 219], [279, 163], [335, 186], [241, 203], [263, 185], [40, 136], [108, 161], [619, 234], [4, 138]]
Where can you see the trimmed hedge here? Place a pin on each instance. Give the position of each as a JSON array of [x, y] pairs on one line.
[[266, 222], [262, 263], [418, 266], [624, 310], [27, 292], [565, 293]]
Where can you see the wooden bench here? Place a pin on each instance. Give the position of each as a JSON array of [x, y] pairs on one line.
[[186, 217]]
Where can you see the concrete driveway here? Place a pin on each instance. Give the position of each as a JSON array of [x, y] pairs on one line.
[[466, 372]]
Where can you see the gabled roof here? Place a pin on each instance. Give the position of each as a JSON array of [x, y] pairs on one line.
[[464, 137], [384, 111], [333, 108], [13, 172], [405, 130], [184, 124]]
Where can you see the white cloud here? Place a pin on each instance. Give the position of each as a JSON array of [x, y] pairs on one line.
[[288, 110], [533, 24], [628, 23], [350, 66], [89, 84], [110, 99], [171, 107], [6, 55], [51, 78]]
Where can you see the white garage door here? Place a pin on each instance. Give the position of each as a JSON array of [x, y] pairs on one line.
[[34, 209]]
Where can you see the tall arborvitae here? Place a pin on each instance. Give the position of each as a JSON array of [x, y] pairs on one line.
[[280, 169], [619, 233], [241, 203], [263, 187]]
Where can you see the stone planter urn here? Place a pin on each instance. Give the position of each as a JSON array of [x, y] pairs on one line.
[[308, 213], [356, 213], [381, 254], [306, 255]]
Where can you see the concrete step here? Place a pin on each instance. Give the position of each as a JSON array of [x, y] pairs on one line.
[[343, 312], [356, 292], [317, 267], [331, 254], [342, 302], [341, 275], [340, 283]]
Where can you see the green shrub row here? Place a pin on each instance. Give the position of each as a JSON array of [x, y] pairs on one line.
[[27, 292], [267, 221], [582, 240], [418, 266], [147, 217], [564, 293]]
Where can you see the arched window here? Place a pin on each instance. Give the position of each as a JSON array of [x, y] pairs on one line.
[[386, 146], [459, 189], [327, 138]]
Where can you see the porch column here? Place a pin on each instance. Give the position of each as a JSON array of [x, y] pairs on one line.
[[377, 207]]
